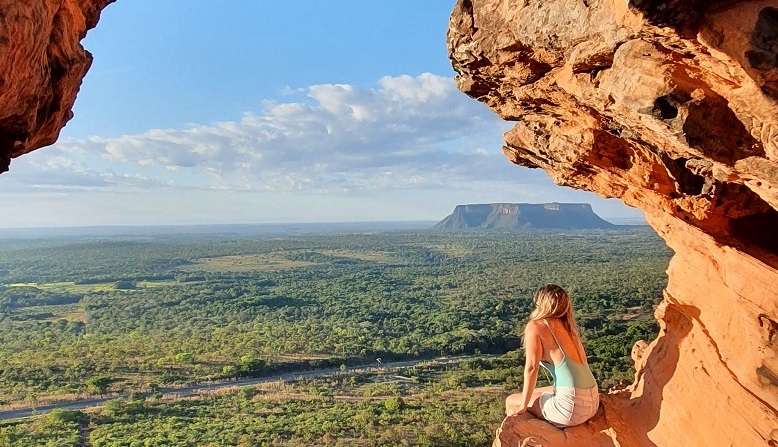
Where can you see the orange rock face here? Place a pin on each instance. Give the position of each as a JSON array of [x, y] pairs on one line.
[[673, 108], [42, 63]]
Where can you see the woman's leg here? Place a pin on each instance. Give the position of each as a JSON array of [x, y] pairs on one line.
[[534, 403], [514, 401]]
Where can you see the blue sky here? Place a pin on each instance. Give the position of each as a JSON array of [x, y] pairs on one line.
[[271, 112]]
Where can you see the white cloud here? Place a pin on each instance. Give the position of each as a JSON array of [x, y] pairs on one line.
[[57, 169], [407, 132]]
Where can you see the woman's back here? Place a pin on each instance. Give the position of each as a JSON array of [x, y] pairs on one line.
[[564, 356], [559, 338]]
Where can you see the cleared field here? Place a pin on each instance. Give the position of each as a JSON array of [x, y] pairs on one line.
[[68, 286], [453, 250], [72, 287], [51, 313], [246, 263], [156, 284], [369, 256]]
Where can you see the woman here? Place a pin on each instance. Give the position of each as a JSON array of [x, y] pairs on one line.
[[551, 340]]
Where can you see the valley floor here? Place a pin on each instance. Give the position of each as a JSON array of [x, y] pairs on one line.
[[136, 317], [443, 403], [198, 389]]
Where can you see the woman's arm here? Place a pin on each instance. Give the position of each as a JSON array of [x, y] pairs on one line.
[[533, 351]]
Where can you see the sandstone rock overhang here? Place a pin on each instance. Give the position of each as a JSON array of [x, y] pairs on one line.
[[671, 106], [42, 64]]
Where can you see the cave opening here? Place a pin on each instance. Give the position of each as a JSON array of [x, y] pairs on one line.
[[664, 108], [687, 181], [752, 223], [612, 150], [713, 128], [763, 54], [758, 231]]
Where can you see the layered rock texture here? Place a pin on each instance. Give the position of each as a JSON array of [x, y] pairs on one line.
[[671, 106], [42, 63], [523, 217]]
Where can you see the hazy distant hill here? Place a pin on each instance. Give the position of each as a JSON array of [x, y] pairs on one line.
[[523, 216]]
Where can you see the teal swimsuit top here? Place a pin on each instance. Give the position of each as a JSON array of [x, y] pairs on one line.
[[569, 373]]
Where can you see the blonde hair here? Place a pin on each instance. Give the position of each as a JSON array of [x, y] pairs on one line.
[[551, 301]]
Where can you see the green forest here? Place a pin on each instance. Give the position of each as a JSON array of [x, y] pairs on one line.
[[126, 317]]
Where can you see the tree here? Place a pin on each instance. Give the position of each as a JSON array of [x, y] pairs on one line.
[[98, 384], [229, 371], [250, 365], [394, 404], [63, 416], [184, 357]]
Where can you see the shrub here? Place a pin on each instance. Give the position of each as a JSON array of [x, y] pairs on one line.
[[394, 404]]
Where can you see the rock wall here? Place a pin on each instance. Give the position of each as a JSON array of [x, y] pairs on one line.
[[42, 63], [671, 106]]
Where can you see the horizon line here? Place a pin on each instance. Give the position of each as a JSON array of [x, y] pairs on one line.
[[248, 224], [137, 225]]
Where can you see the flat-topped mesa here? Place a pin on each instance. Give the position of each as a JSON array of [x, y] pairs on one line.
[[673, 108], [42, 64], [523, 216]]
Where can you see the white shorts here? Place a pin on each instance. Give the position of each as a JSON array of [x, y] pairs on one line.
[[566, 407]]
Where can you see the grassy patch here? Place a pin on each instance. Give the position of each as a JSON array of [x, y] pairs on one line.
[[68, 312], [68, 286], [381, 257], [246, 263], [451, 249]]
